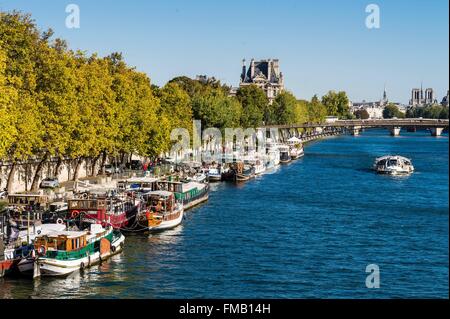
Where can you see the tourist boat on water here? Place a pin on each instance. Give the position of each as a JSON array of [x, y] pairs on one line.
[[284, 154], [393, 165], [189, 193], [118, 210], [162, 213], [62, 253]]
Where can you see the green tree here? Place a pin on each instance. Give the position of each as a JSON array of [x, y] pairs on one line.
[[175, 112], [362, 114], [316, 110], [337, 103], [255, 106], [286, 109], [391, 111], [215, 109]]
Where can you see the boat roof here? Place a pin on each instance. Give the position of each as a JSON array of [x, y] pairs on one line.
[[144, 179], [66, 233], [160, 193], [294, 139], [392, 157]]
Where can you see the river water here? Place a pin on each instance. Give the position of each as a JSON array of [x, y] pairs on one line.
[[306, 230]]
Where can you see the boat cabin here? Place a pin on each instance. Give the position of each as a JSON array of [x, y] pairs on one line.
[[61, 241], [138, 184], [22, 200], [160, 201]]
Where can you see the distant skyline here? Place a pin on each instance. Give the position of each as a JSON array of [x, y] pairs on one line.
[[322, 45]]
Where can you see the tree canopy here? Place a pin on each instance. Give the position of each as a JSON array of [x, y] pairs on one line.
[[57, 103], [391, 111]]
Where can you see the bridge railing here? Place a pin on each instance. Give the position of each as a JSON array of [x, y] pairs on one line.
[[368, 123]]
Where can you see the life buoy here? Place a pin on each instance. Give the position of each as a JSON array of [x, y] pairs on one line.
[[74, 214], [42, 250], [59, 221]]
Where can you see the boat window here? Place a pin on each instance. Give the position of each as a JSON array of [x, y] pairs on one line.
[[61, 245]]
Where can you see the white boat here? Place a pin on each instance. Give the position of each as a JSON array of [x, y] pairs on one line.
[[258, 164], [284, 154], [272, 158], [295, 147], [393, 165], [188, 193], [162, 213], [26, 253], [62, 253], [199, 177], [214, 174]]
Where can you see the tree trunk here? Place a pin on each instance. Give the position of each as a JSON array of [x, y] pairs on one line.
[[103, 163], [35, 183], [58, 167], [94, 170], [77, 169], [10, 181]]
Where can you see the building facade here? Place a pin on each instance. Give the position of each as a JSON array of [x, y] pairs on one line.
[[375, 109], [420, 98], [265, 74]]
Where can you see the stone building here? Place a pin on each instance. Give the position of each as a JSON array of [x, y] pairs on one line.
[[446, 99], [420, 98], [265, 74]]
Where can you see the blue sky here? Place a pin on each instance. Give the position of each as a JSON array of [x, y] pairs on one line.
[[321, 44]]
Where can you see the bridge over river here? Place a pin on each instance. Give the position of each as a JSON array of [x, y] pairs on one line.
[[394, 126]]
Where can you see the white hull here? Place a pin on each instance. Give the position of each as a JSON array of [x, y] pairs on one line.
[[26, 265], [259, 169], [53, 267], [395, 171]]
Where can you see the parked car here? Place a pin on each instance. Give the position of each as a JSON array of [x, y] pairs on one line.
[[112, 169], [3, 194], [49, 182]]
